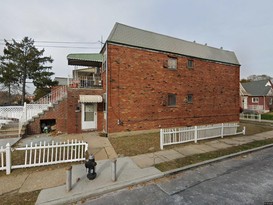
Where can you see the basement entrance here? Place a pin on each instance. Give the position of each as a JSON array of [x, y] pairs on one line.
[[46, 125]]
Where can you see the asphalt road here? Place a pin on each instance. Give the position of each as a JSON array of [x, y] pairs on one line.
[[246, 179]]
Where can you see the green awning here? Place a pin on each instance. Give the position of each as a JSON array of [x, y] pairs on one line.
[[85, 59]]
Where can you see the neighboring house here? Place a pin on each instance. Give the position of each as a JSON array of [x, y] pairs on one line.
[[63, 81], [260, 95], [243, 97], [142, 81]]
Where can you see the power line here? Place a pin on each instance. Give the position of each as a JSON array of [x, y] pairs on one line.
[[84, 47], [53, 46], [62, 42]]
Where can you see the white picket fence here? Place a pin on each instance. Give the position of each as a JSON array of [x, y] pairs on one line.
[[193, 134], [3, 158], [43, 153]]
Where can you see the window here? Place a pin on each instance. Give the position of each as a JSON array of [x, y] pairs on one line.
[[171, 100], [255, 100], [172, 63], [190, 64], [189, 98]]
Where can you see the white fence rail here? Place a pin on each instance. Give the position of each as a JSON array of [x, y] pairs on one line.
[[253, 117], [43, 153], [2, 158], [256, 107], [189, 134], [17, 112], [14, 112], [54, 96]]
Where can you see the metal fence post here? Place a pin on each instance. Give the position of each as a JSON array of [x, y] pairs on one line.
[[68, 184], [161, 139], [195, 134], [114, 169], [260, 117], [8, 158]]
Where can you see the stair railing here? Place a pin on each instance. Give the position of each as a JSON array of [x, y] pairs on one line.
[[33, 109], [54, 96]]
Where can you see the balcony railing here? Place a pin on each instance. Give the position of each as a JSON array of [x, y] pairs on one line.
[[86, 82]]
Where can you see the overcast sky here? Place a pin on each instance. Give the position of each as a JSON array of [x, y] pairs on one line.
[[242, 26]]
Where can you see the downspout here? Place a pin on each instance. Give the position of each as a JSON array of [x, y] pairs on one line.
[[264, 103], [106, 109]]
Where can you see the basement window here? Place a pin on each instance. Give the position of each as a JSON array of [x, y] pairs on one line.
[[171, 100], [46, 125]]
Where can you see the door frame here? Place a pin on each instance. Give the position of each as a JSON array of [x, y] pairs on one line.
[[86, 125]]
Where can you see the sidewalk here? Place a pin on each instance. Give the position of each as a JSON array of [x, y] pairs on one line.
[[147, 160], [128, 173], [130, 170]]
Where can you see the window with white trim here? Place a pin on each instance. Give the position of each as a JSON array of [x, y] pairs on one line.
[[172, 63], [255, 100]]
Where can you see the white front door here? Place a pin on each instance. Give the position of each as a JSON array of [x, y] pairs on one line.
[[245, 102], [89, 116]]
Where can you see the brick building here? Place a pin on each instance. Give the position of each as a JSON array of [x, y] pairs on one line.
[[143, 80]]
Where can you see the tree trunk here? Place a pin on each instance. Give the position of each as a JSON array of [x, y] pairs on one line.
[[24, 86], [9, 96]]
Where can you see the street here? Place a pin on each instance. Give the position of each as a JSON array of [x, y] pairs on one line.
[[246, 179]]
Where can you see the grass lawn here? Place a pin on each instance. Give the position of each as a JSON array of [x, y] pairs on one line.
[[177, 163], [141, 144]]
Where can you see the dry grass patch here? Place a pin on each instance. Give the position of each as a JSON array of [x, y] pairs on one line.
[[253, 128], [134, 145], [19, 199]]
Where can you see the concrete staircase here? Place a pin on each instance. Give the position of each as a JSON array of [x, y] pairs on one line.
[[11, 129], [28, 113]]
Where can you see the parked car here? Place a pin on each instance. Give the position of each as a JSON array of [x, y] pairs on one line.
[[247, 111]]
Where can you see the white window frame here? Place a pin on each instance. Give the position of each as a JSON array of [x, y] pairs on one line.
[[172, 63], [255, 100]]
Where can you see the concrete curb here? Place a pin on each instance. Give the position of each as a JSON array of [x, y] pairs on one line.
[[101, 191], [174, 171], [117, 186]]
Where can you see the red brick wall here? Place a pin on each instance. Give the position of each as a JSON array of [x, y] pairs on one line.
[[139, 85], [67, 119], [58, 112], [74, 121]]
